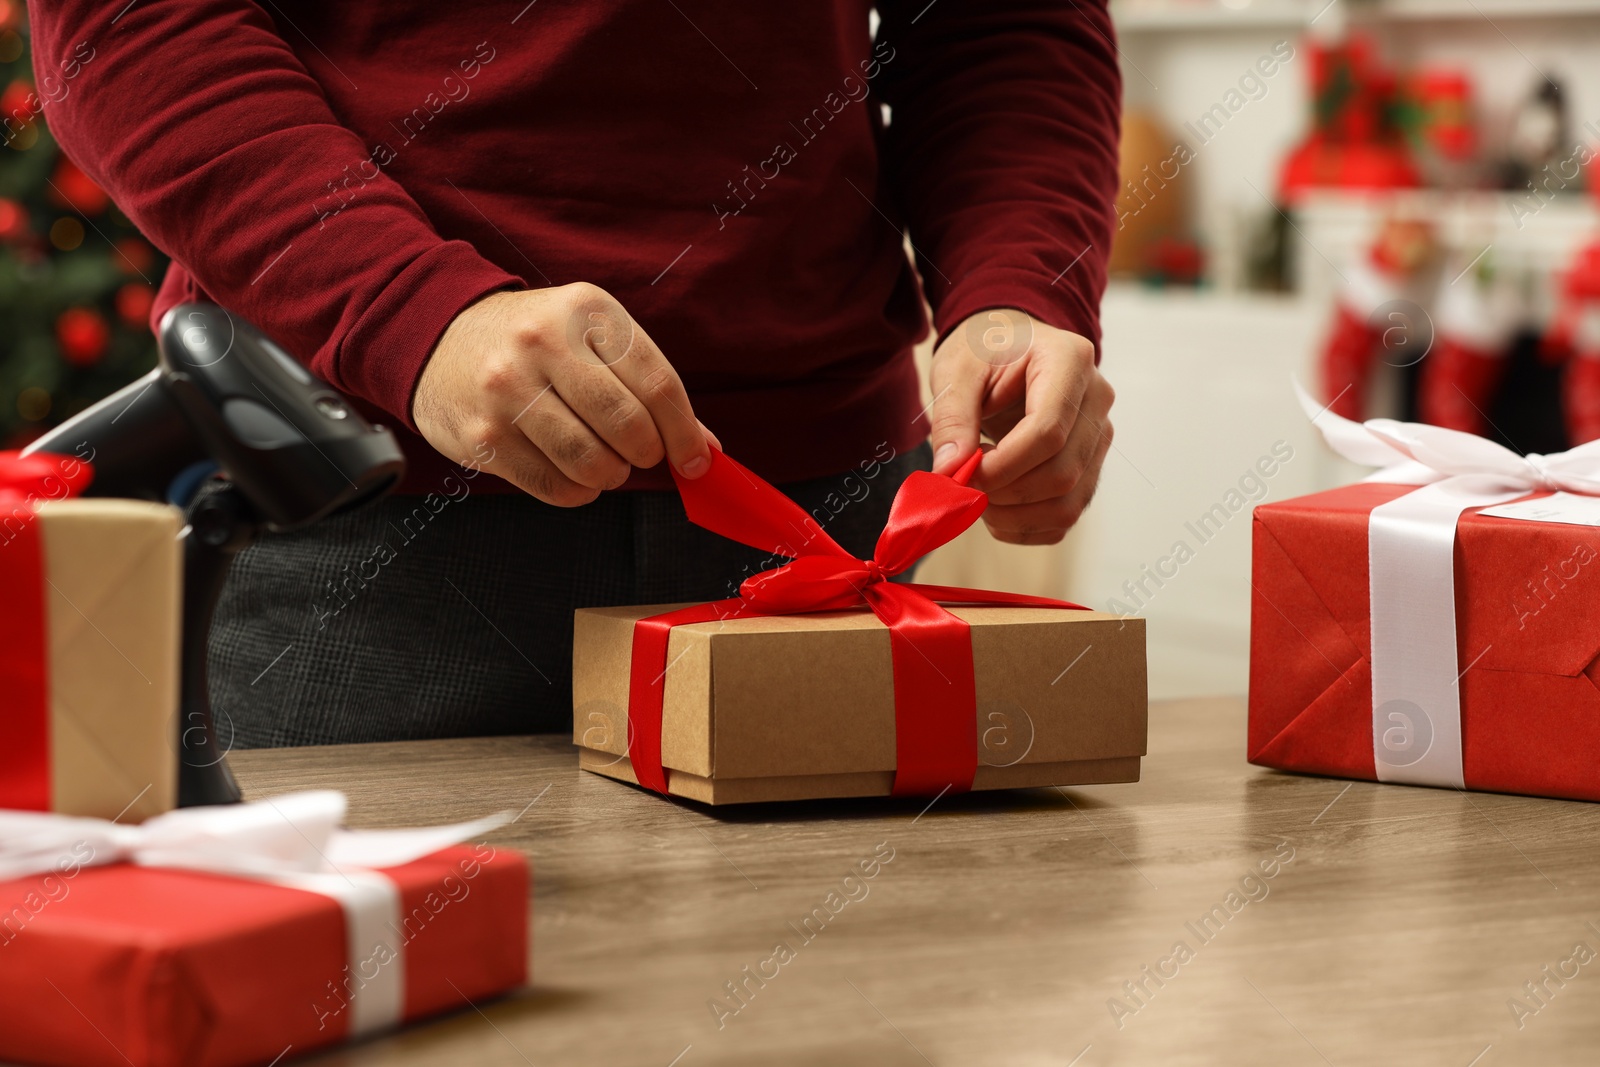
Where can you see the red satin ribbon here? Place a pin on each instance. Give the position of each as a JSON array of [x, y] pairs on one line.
[[24, 651], [935, 702]]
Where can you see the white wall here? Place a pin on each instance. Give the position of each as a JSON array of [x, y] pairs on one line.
[[1203, 388]]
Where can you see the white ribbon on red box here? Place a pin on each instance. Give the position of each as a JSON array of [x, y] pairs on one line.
[[294, 840], [1416, 696]]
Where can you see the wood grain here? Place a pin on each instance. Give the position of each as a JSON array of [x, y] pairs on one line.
[[1403, 924]]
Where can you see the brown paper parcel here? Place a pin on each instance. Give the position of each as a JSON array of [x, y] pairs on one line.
[[795, 707], [112, 606]]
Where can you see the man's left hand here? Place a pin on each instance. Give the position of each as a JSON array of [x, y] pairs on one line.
[[1035, 391]]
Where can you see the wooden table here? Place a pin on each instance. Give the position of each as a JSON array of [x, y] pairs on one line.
[[1398, 926]]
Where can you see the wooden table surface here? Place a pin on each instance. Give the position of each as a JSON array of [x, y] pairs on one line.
[[1399, 926]]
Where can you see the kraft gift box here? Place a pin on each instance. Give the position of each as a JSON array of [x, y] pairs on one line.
[[792, 707], [90, 620]]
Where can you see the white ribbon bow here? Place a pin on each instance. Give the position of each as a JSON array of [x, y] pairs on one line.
[[1416, 696], [1414, 453], [292, 840]]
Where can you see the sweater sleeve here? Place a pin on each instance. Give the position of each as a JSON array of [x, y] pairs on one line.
[[1002, 153], [213, 137]]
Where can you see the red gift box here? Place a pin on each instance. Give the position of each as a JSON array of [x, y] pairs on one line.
[[123, 964], [1527, 598]]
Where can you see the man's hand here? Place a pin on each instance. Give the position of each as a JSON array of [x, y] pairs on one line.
[[1035, 391], [564, 389]]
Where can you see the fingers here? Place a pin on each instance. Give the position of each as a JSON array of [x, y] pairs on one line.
[[1089, 437], [596, 397], [957, 380], [1046, 522], [569, 442], [517, 461], [1055, 385], [619, 345], [715, 443], [561, 390]]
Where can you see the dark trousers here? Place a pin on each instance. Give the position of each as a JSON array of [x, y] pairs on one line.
[[451, 615]]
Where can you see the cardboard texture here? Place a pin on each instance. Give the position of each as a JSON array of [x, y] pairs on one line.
[[1527, 627], [170, 968], [794, 707], [114, 617]]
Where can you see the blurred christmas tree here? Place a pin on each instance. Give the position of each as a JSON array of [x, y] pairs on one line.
[[76, 279]]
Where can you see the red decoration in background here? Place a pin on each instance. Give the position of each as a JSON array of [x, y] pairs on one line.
[[1173, 261], [74, 189], [1580, 288], [1347, 354], [1475, 321], [1354, 142], [42, 278], [133, 304], [1357, 336], [1574, 336], [83, 335], [1445, 99], [1459, 381], [17, 102], [13, 220], [134, 256]]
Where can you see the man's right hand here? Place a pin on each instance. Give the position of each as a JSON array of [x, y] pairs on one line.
[[564, 389]]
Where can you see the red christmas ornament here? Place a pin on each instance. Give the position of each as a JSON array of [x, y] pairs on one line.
[[13, 220], [1353, 144], [1574, 335], [83, 335], [134, 256], [74, 189], [17, 102], [1445, 97], [133, 304]]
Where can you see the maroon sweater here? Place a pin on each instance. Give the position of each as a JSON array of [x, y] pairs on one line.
[[350, 176]]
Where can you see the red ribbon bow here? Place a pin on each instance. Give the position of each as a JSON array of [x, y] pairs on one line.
[[24, 649], [935, 699]]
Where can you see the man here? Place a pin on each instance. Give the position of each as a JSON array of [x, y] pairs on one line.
[[560, 244]]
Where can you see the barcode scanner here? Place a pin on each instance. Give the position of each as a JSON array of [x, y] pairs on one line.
[[285, 449]]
